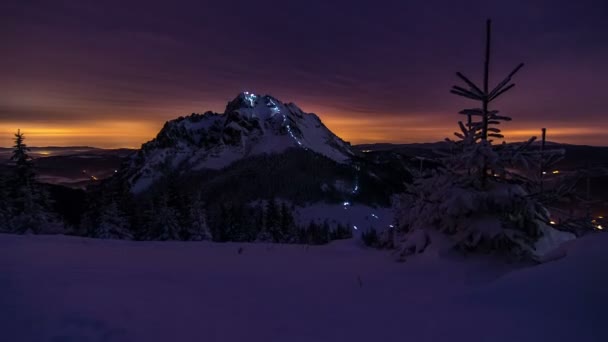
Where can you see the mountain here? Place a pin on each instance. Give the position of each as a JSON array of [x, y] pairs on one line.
[[263, 170], [251, 125]]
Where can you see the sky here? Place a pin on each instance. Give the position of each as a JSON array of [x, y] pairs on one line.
[[110, 73]]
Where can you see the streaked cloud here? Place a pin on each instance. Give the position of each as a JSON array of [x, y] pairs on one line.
[[373, 71]]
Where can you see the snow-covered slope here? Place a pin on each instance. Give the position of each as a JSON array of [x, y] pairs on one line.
[[59, 288], [251, 124]]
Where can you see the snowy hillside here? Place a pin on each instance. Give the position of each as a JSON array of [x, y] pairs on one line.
[[251, 125], [58, 288]]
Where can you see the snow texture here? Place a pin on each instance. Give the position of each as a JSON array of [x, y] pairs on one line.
[[59, 288]]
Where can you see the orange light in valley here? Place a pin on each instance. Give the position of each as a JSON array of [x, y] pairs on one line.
[[572, 135]]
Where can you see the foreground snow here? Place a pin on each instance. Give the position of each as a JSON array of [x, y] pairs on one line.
[[56, 288]]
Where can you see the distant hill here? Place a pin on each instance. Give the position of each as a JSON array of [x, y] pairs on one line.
[[576, 155]]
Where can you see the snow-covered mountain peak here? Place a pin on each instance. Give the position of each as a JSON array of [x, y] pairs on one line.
[[262, 107], [251, 124]]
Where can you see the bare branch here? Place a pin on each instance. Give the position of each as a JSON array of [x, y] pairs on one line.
[[504, 82], [464, 95], [516, 70], [493, 97], [474, 111], [474, 88], [463, 128], [504, 118], [466, 91]]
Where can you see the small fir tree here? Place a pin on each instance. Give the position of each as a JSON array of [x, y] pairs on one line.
[[478, 197], [113, 223]]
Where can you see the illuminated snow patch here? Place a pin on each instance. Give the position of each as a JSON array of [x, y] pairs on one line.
[[275, 110], [250, 98]]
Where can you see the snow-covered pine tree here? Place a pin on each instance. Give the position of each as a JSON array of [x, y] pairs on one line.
[[235, 226], [312, 233], [273, 220], [23, 163], [324, 233], [257, 215], [29, 202], [478, 199], [198, 229], [113, 223], [288, 225], [164, 225]]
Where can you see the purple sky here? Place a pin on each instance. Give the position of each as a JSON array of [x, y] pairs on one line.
[[109, 73]]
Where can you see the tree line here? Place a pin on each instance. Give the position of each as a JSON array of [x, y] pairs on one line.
[[25, 204], [166, 213]]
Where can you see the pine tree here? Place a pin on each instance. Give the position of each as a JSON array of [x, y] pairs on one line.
[[143, 220], [475, 198], [342, 232], [273, 221], [324, 233], [236, 224], [288, 225], [263, 234], [22, 160], [113, 224], [199, 230], [312, 233], [370, 237], [257, 226], [303, 235], [165, 225], [29, 202]]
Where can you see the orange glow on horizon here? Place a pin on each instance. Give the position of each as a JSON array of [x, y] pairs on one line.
[[357, 130], [105, 134]]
